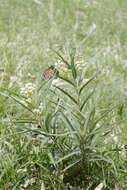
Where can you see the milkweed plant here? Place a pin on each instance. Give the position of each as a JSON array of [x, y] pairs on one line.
[[64, 135]]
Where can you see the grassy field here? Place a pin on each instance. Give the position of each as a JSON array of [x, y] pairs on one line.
[[69, 132]]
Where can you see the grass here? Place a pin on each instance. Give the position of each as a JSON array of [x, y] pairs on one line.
[[68, 132]]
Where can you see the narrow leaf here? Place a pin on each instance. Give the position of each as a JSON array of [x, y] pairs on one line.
[[73, 68], [99, 187], [90, 118], [84, 85], [105, 114], [67, 80], [68, 156], [62, 58], [68, 121], [67, 94], [71, 165], [70, 126], [86, 100], [52, 159], [17, 100]]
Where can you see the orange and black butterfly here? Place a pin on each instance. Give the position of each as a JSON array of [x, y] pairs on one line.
[[50, 73]]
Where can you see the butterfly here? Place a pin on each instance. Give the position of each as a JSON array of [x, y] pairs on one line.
[[50, 73]]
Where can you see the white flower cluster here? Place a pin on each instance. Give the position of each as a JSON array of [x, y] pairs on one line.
[[33, 77], [61, 66], [123, 151], [13, 79], [39, 110], [57, 82], [28, 182], [28, 90], [114, 138], [80, 64]]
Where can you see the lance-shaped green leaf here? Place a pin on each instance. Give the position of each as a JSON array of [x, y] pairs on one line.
[[67, 94], [62, 58], [105, 114], [84, 85], [67, 80], [90, 120], [71, 127], [68, 121], [73, 68], [48, 122], [86, 100], [68, 156], [16, 99]]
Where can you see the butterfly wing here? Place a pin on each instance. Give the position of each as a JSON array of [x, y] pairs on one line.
[[50, 73]]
